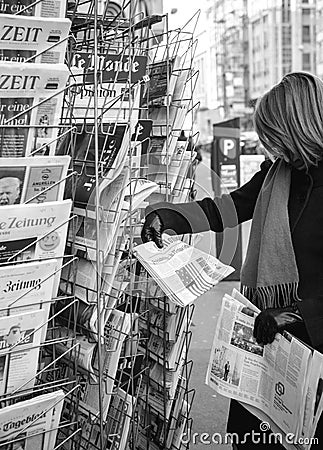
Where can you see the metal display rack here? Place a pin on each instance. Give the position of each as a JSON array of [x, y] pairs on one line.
[[115, 344]]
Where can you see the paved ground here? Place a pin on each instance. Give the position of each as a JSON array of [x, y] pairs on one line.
[[209, 411]]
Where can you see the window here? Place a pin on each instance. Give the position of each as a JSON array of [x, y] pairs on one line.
[[306, 12], [306, 62], [306, 33]]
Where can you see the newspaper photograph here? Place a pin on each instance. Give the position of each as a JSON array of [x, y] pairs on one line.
[[27, 287], [35, 40], [34, 231], [32, 180], [182, 271], [31, 424], [20, 338], [267, 377], [31, 97]]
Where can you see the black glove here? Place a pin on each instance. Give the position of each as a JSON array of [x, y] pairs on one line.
[[152, 229], [272, 320]]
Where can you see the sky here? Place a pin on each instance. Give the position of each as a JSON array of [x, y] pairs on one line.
[[185, 10]]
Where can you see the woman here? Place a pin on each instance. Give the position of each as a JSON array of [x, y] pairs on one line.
[[283, 270]]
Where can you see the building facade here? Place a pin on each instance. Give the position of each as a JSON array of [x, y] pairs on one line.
[[282, 38]]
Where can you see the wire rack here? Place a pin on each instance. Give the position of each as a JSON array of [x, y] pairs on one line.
[[115, 344]]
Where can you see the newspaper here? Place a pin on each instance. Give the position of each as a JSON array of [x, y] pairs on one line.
[[182, 271], [27, 287], [31, 97], [35, 40], [135, 194], [271, 378], [119, 418], [32, 180], [35, 231], [111, 200], [115, 100], [20, 338], [32, 424], [116, 330], [168, 174], [43, 8]]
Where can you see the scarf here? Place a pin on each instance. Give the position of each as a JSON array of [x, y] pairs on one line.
[[269, 276]]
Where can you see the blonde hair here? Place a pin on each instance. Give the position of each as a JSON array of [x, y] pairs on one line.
[[289, 118]]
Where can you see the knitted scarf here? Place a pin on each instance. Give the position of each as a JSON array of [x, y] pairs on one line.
[[269, 276]]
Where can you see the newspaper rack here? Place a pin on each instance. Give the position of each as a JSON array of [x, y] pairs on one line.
[[100, 324]]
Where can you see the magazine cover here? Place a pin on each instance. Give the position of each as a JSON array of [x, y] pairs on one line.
[[32, 423], [20, 338], [35, 231], [31, 97], [48, 8], [32, 180], [22, 38]]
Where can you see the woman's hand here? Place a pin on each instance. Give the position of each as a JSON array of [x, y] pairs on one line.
[[272, 320], [152, 229]]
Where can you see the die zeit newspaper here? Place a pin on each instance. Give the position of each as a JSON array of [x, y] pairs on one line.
[[22, 39], [32, 180], [32, 423], [31, 97], [34, 231], [281, 383], [43, 8]]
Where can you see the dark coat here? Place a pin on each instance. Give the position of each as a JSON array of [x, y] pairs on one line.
[[305, 208]]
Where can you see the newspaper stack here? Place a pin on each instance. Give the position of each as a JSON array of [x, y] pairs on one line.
[[182, 271]]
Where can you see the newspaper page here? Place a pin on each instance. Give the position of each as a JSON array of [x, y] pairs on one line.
[[20, 338], [115, 100], [43, 8], [268, 377], [310, 414], [32, 180], [35, 40], [120, 415], [35, 231], [111, 200], [32, 423], [116, 330], [182, 271], [31, 97], [85, 353], [27, 287]]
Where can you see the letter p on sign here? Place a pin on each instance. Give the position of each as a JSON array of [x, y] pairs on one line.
[[228, 147]]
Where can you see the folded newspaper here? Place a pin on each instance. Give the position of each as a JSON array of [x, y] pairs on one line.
[[32, 180], [31, 424], [31, 97], [280, 383], [182, 271], [29, 39]]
